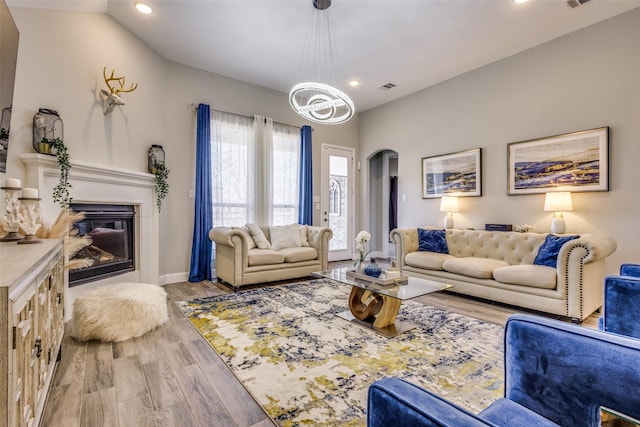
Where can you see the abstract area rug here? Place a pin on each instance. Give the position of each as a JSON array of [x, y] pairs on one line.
[[306, 366]]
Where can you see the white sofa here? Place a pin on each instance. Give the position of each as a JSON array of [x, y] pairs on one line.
[[499, 266], [239, 262]]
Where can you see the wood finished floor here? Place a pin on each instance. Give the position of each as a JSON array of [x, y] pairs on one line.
[[172, 377]]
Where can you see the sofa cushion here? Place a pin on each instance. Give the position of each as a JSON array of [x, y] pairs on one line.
[[481, 268], [298, 254], [247, 236], [432, 241], [428, 260], [304, 239], [264, 257], [535, 276], [284, 236], [258, 236], [548, 251]]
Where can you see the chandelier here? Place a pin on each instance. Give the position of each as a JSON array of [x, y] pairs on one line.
[[321, 102]]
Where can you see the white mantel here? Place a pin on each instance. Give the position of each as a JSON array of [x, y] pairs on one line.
[[93, 183]]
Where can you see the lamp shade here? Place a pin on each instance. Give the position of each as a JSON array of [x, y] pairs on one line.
[[558, 201], [449, 204]]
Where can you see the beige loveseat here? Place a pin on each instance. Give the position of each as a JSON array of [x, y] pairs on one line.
[[499, 266], [239, 262]]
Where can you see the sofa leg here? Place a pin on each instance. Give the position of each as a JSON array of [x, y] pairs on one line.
[[234, 288]]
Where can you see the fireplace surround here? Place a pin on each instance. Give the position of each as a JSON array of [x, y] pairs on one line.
[[100, 184]]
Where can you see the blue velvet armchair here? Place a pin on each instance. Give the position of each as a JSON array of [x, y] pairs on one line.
[[622, 302], [556, 374]]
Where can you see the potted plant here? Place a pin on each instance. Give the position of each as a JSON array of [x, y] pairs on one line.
[[160, 179], [61, 193]]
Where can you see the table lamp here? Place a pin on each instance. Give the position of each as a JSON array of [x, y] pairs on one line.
[[558, 202], [448, 204]]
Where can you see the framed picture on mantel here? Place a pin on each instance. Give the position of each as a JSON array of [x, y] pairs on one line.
[[577, 161], [455, 174]]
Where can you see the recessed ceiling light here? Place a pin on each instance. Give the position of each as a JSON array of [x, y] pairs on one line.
[[143, 7], [519, 1], [354, 83]]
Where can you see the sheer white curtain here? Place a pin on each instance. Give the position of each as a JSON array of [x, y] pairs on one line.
[[286, 174], [255, 170], [263, 142], [232, 151]]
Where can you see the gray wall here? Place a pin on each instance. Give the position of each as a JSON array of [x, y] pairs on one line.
[[585, 80], [60, 61]]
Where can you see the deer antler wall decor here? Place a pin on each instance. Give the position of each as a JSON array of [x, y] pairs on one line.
[[111, 97]]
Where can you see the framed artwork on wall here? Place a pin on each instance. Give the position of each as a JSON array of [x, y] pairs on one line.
[[455, 174], [577, 161]]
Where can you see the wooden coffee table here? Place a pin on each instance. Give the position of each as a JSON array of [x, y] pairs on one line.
[[375, 306]]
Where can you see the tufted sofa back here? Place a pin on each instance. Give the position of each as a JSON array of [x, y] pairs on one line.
[[510, 246]]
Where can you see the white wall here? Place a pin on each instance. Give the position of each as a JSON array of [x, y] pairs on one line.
[[588, 79], [60, 61]]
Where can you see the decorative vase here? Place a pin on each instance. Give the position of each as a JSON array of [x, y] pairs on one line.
[[360, 267], [373, 269]]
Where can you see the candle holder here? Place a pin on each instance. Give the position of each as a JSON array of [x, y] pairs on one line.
[[30, 219], [12, 213]]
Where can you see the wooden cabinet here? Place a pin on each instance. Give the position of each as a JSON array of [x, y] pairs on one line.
[[31, 319]]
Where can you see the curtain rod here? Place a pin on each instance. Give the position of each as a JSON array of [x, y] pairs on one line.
[[194, 106]]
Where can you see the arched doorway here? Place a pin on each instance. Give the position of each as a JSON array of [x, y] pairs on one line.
[[383, 201]]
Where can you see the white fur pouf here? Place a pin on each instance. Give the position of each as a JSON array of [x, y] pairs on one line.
[[117, 312]]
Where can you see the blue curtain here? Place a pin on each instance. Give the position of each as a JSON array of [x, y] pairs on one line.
[[201, 247], [305, 212]]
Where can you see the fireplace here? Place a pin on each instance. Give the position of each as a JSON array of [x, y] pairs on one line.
[[112, 232], [95, 184]]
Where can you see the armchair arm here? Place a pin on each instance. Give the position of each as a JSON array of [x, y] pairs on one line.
[[597, 247], [395, 402], [632, 270], [229, 237], [621, 308], [565, 372], [232, 254], [580, 266], [221, 235], [319, 240], [406, 241]]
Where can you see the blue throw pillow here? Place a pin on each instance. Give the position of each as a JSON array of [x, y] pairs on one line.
[[432, 241], [548, 251]]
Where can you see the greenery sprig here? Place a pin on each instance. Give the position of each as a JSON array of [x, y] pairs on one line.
[[61, 193], [160, 180], [4, 134]]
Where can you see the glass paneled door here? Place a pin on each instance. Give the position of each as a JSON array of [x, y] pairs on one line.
[[337, 199]]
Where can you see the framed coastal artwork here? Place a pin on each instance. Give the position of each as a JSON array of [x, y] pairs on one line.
[[577, 161], [455, 174]]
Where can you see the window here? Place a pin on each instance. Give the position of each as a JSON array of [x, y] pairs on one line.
[[286, 174], [334, 197], [255, 170], [231, 143]]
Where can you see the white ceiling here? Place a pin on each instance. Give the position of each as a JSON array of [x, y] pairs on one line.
[[411, 43]]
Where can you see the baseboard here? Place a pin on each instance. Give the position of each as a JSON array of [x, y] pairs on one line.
[[173, 278]]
